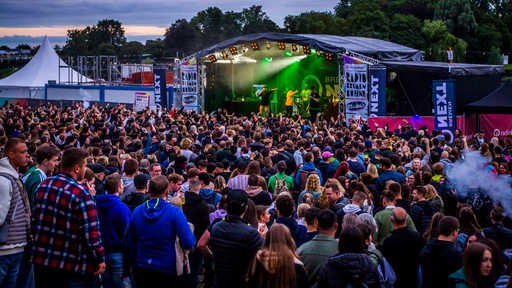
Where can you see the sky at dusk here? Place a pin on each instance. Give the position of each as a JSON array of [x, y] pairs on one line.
[[140, 18]]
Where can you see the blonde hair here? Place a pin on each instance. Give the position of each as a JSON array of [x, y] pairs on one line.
[[185, 144], [372, 170], [301, 209], [313, 183], [219, 183]]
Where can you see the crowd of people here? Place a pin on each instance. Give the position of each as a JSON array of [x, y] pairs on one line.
[[105, 196]]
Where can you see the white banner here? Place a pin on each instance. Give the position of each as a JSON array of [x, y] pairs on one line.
[[189, 87], [356, 92], [141, 101]]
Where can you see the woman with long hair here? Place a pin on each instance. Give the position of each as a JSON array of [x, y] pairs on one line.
[[276, 264], [312, 187], [476, 269], [433, 229], [468, 226]]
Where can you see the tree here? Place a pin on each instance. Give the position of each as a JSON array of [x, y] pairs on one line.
[[367, 20], [406, 30], [109, 31], [254, 20], [104, 48], [439, 40], [132, 49], [342, 9], [182, 39], [459, 18], [216, 26], [155, 48], [312, 23]]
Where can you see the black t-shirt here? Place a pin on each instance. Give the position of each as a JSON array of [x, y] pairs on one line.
[[312, 103], [265, 97]]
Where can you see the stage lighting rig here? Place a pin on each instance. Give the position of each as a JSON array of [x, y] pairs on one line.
[[306, 49], [329, 56], [212, 58], [281, 46], [255, 46], [268, 45], [233, 50], [294, 48], [224, 55]]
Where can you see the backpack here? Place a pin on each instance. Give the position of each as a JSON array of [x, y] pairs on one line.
[[280, 185], [386, 273], [304, 174]]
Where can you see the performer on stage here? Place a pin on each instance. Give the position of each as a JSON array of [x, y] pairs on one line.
[[289, 101], [303, 102], [314, 104], [265, 99]]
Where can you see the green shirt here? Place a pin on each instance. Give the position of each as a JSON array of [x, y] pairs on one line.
[[315, 253], [384, 225], [280, 176], [31, 180]]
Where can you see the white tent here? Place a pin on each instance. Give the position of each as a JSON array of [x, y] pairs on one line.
[[45, 66]]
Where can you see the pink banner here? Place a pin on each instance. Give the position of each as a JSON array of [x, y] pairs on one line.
[[496, 125], [416, 122]]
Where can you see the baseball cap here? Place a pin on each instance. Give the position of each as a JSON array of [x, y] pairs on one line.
[[96, 168], [328, 148], [237, 197], [368, 143], [327, 154]]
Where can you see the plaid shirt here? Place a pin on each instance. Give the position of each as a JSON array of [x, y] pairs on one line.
[[67, 232]]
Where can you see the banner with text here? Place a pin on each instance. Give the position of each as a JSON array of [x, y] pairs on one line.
[[377, 97], [190, 87], [141, 101], [356, 92], [444, 105], [160, 88]]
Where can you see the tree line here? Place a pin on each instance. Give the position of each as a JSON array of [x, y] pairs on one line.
[[478, 31]]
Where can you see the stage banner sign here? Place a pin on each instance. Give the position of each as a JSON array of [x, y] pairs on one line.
[[141, 101], [356, 92], [377, 91], [444, 106], [496, 125], [160, 88], [189, 86]]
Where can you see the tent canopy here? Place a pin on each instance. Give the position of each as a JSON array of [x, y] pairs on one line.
[[375, 48], [499, 101], [45, 66], [443, 69]]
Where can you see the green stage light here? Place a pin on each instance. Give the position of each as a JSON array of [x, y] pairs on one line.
[[313, 51], [267, 59], [288, 53]]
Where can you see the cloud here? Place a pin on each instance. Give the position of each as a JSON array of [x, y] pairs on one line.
[[156, 13]]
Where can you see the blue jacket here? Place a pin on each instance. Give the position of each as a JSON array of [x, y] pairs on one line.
[[385, 176], [299, 232], [210, 196], [308, 166], [152, 235], [114, 218]]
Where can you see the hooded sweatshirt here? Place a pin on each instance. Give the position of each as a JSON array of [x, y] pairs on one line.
[[439, 259], [258, 196], [152, 233], [210, 196], [114, 218], [299, 232]]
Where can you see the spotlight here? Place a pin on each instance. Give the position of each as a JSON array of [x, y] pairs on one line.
[[294, 48], [328, 56], [281, 46], [233, 50], [306, 49], [255, 46], [224, 55], [268, 45], [313, 51], [212, 58], [288, 54], [267, 59], [244, 49]]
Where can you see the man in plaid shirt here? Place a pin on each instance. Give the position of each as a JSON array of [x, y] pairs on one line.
[[67, 246]]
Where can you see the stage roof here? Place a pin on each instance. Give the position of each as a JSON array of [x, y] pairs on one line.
[[443, 69], [375, 48]]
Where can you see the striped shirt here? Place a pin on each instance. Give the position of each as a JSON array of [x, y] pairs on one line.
[[31, 181], [67, 233], [238, 182]]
